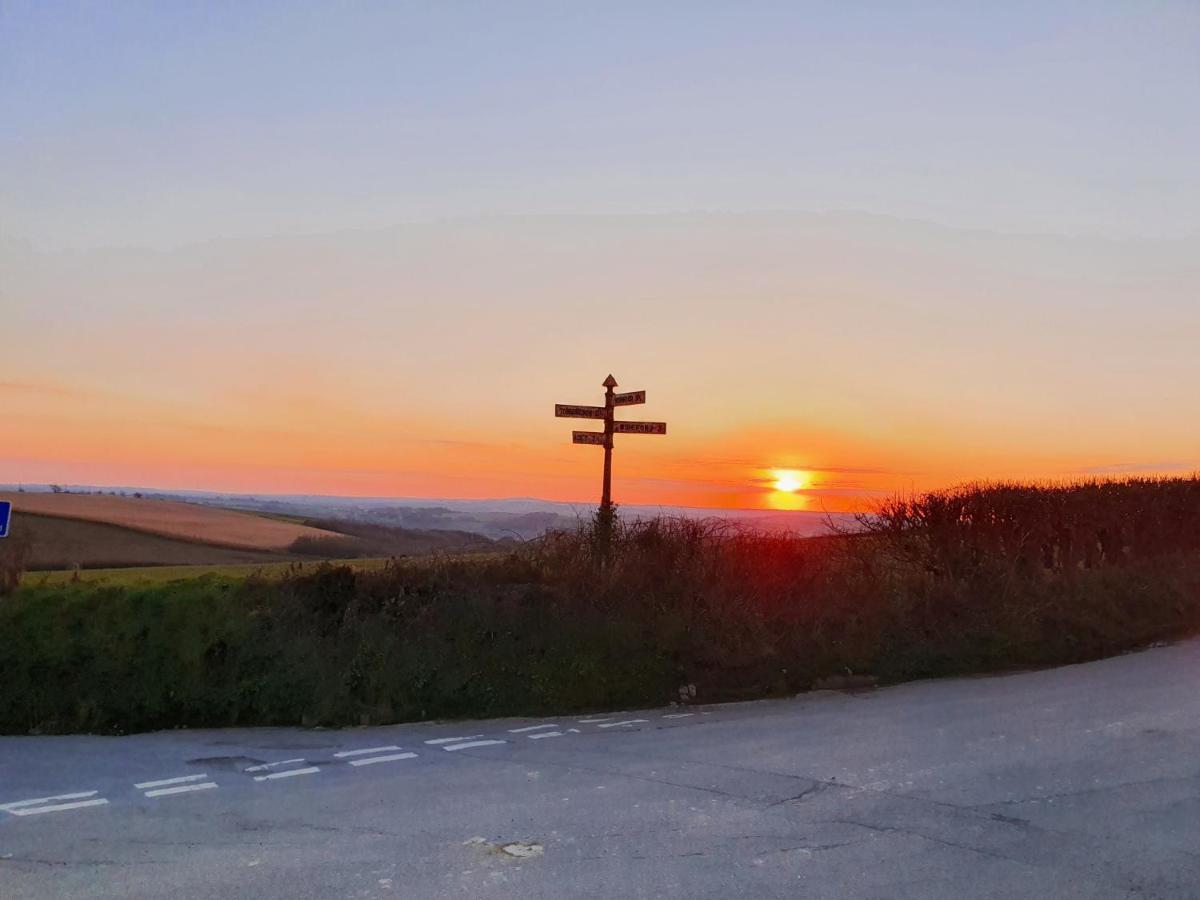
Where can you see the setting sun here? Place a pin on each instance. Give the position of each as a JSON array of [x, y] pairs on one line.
[[789, 480]]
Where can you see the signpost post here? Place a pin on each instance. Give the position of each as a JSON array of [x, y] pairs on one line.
[[605, 439]]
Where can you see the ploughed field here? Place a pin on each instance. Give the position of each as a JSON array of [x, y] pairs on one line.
[[171, 519], [59, 543], [105, 532]]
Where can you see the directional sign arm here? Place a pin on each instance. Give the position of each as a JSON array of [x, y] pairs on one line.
[[567, 411], [588, 437], [630, 399], [640, 427]]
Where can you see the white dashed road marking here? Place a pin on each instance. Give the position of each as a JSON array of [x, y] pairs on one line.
[[282, 762], [48, 804], [366, 751], [311, 770], [182, 789], [378, 759], [470, 744], [164, 782], [370, 756], [57, 807]]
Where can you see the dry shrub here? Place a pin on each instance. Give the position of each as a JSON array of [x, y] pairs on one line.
[[1052, 528], [978, 577], [15, 552]]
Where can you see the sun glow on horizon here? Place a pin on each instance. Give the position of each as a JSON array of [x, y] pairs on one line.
[[788, 481]]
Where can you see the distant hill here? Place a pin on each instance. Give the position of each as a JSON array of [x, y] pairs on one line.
[[518, 518], [367, 539]]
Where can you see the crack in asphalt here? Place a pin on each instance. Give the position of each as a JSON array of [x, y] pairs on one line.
[[33, 860], [813, 848], [898, 829], [1083, 792], [817, 787]]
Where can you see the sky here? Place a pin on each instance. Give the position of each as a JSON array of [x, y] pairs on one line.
[[362, 249]]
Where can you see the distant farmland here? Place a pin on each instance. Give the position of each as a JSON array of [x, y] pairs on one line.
[[170, 519], [98, 531], [64, 543]]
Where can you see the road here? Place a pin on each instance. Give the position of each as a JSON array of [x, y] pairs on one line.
[[1082, 781]]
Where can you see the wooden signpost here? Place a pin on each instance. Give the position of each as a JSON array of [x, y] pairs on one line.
[[605, 438]]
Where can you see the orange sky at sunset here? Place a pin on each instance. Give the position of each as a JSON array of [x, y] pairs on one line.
[[875, 355], [362, 370]]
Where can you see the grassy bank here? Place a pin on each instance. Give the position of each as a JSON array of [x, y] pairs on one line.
[[979, 579], [149, 575]]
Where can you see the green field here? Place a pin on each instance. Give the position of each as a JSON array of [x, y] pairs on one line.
[[151, 575], [146, 575]]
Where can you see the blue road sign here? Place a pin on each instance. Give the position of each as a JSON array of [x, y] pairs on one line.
[[5, 515]]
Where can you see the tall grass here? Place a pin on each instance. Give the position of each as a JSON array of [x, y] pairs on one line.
[[1059, 529], [15, 552], [975, 579]]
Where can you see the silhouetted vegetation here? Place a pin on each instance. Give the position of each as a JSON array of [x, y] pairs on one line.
[[14, 558], [975, 579]]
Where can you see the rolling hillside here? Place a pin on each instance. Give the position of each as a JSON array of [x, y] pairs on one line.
[[59, 543], [95, 531], [170, 519]]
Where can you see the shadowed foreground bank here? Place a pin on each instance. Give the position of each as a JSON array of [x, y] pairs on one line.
[[976, 579]]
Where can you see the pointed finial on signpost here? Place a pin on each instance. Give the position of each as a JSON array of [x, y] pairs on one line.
[[610, 382]]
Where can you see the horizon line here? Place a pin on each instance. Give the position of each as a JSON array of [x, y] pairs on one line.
[[103, 488]]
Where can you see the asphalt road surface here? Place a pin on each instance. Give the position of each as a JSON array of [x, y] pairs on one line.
[[1076, 782]]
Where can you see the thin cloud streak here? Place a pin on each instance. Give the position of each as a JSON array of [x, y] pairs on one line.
[[39, 389]]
